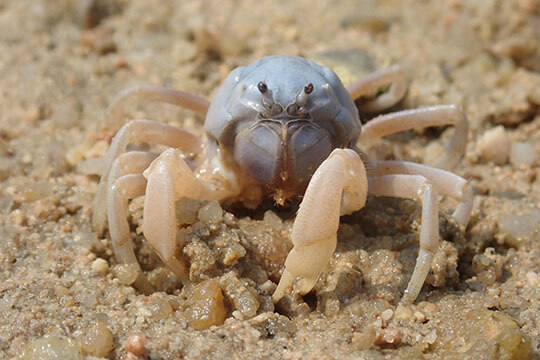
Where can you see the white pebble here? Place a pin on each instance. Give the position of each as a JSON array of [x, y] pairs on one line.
[[100, 266], [211, 212], [431, 337], [494, 145]]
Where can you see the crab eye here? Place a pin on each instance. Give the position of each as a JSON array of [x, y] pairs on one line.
[[262, 87], [308, 88]]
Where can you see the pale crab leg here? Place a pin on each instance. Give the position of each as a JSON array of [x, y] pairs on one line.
[[142, 131], [153, 93], [419, 118], [338, 187], [414, 187], [170, 178], [126, 187], [126, 182], [447, 183], [369, 85]]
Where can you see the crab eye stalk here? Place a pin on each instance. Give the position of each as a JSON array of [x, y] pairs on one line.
[[298, 108], [271, 108], [262, 87], [302, 97]]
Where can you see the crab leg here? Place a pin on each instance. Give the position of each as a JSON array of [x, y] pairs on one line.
[[447, 183], [159, 94], [143, 131], [430, 116], [125, 188], [415, 187], [370, 84], [338, 187], [126, 182], [170, 178]]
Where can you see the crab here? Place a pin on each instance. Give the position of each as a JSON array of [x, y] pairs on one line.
[[283, 127]]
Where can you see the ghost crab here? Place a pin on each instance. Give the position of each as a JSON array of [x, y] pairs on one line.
[[286, 127]]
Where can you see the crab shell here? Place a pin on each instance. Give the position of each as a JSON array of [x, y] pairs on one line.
[[274, 145]]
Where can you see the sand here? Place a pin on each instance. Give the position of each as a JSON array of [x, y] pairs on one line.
[[61, 290]]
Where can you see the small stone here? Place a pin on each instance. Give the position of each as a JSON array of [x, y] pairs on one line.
[[240, 295], [98, 340], [431, 337], [207, 307], [387, 315], [494, 145], [404, 313], [420, 317], [388, 336], [237, 315], [17, 217], [100, 266], [271, 219], [126, 273], [135, 344], [211, 213], [430, 308], [52, 348], [234, 252], [364, 340], [160, 308]]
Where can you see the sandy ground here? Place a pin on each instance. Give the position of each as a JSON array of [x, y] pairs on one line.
[[61, 294]]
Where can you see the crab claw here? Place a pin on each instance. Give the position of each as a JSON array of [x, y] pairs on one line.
[[338, 187]]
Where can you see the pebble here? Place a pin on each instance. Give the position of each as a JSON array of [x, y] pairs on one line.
[[52, 348], [431, 337], [386, 316], [494, 145], [364, 340], [100, 266], [98, 340], [378, 323], [17, 217], [420, 317], [135, 344], [211, 213], [430, 307], [404, 313], [126, 273], [207, 307], [522, 153], [389, 336], [160, 308]]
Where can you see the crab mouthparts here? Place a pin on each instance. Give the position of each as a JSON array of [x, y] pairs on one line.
[[282, 155]]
